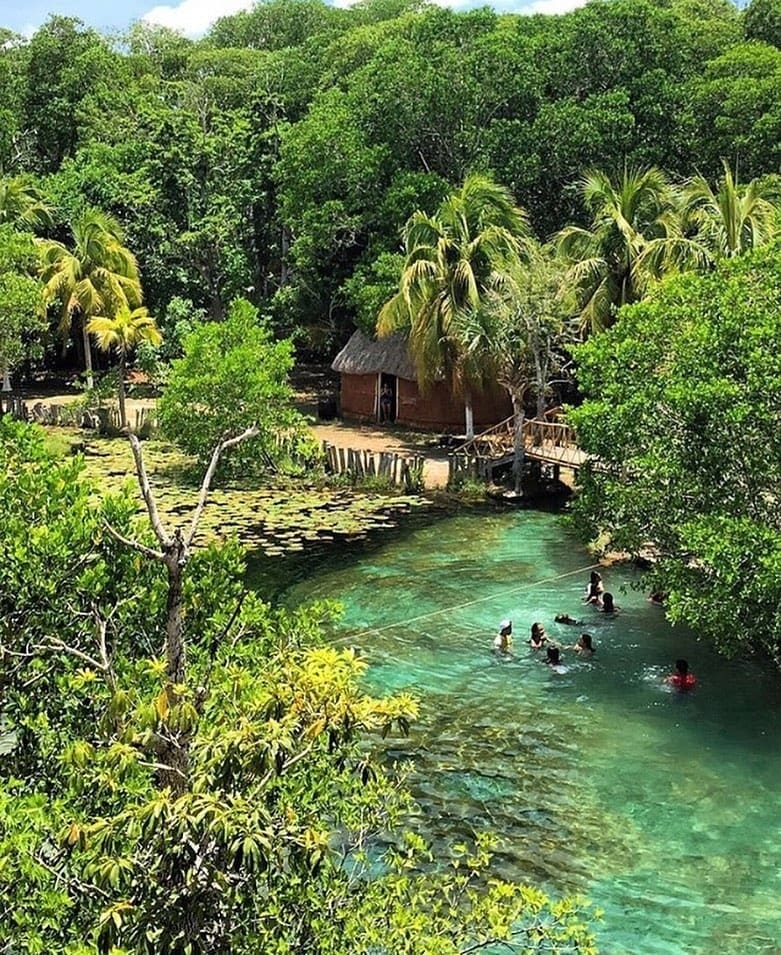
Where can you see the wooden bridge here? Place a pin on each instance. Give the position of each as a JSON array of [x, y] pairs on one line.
[[550, 442]]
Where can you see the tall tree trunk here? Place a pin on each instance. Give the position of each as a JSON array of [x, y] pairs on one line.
[[175, 744], [519, 451], [121, 393], [540, 383], [87, 352], [5, 393], [469, 418], [285, 240]]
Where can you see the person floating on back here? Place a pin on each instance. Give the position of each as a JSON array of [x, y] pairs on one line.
[[503, 640], [594, 589], [584, 646], [565, 618], [682, 680], [538, 636]]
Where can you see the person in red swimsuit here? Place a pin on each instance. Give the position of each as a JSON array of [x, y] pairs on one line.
[[682, 680]]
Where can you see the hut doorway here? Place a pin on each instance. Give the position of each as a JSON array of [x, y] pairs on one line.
[[388, 390]]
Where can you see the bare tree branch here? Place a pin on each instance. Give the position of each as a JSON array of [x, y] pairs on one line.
[[69, 878], [146, 491], [52, 643], [102, 626], [290, 762], [135, 545], [226, 443]]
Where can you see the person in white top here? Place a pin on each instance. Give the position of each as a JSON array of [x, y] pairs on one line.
[[503, 640]]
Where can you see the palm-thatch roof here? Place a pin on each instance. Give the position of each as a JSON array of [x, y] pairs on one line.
[[368, 356]]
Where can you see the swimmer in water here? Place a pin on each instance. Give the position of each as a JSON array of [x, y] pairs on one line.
[[584, 646], [565, 618], [682, 680], [594, 589], [606, 605], [553, 657], [503, 640], [538, 636]]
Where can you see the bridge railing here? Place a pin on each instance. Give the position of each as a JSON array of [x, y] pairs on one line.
[[488, 443], [551, 440], [548, 441]]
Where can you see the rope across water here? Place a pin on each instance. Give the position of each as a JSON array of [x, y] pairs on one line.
[[477, 600]]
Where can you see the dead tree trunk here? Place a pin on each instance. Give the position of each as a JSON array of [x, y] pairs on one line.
[[173, 746]]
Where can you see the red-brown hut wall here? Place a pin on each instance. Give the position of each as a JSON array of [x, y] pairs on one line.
[[357, 396], [437, 410]]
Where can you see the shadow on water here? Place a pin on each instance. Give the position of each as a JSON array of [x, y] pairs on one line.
[[663, 809]]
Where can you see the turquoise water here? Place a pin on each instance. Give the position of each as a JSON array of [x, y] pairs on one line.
[[663, 810]]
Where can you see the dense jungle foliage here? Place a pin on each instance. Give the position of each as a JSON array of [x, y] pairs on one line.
[[186, 769], [278, 156]]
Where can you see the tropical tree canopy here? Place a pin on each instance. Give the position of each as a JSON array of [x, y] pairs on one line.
[[606, 259], [23, 205], [122, 333], [99, 276], [682, 410], [125, 330], [528, 322], [732, 218], [236, 375], [22, 322]]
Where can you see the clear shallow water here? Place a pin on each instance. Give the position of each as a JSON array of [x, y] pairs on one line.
[[665, 811]]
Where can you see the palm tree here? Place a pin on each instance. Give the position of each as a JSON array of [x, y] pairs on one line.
[[733, 218], [23, 205], [122, 333], [716, 224], [607, 265], [98, 277], [453, 259]]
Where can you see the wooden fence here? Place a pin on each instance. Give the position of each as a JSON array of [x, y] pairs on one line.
[[399, 469], [102, 420]]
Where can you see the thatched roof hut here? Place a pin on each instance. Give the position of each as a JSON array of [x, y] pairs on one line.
[[378, 382], [371, 356]]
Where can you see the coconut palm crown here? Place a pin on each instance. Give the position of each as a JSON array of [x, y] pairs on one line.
[[452, 260], [732, 218], [607, 264], [122, 332], [98, 277], [23, 205]]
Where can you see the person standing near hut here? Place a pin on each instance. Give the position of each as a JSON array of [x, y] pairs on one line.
[[386, 403]]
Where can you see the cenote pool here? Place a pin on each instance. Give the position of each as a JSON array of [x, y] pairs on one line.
[[664, 811]]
